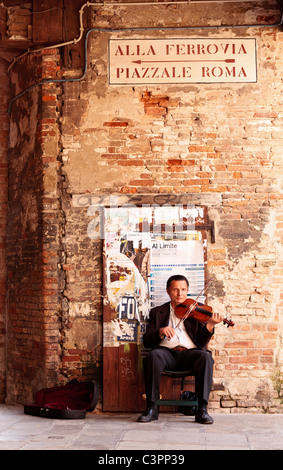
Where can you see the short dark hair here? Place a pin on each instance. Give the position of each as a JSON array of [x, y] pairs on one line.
[[176, 277]]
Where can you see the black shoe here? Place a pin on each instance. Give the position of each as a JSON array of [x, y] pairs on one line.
[[151, 414], [202, 416]]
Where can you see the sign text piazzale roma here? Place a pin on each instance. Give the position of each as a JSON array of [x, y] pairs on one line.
[[158, 61]]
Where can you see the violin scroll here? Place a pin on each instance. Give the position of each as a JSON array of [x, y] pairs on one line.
[[228, 322]]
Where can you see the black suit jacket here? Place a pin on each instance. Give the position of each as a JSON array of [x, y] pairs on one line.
[[159, 318]]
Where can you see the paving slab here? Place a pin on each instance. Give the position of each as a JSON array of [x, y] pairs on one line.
[[120, 432]]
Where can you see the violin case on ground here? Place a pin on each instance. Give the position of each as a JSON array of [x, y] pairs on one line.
[[70, 401]]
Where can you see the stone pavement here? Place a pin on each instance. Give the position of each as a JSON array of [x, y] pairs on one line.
[[121, 432]]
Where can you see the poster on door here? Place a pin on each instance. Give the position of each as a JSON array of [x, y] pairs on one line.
[[172, 257], [143, 248]]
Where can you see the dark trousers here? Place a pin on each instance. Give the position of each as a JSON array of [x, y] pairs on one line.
[[198, 361]]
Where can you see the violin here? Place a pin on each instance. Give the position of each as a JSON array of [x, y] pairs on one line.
[[191, 308]]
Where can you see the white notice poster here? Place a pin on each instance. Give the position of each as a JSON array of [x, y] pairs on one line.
[[172, 257]]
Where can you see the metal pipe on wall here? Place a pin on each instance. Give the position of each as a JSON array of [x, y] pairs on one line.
[[95, 4]]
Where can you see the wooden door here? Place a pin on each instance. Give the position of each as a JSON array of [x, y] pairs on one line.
[[142, 248]]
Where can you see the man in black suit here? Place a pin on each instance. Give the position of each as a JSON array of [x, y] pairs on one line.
[[178, 346]]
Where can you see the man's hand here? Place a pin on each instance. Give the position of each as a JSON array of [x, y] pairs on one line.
[[214, 319], [167, 331]]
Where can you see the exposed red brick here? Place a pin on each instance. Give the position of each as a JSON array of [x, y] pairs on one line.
[[116, 124], [155, 111]]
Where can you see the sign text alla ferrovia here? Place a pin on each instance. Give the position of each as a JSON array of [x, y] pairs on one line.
[[150, 61]]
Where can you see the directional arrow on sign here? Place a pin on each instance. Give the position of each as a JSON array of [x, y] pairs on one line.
[[228, 61]]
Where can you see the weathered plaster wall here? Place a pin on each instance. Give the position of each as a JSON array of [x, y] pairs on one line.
[[221, 140]]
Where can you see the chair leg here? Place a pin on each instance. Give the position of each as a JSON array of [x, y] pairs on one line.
[[182, 387]]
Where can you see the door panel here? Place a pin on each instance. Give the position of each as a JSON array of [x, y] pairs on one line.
[[142, 248]]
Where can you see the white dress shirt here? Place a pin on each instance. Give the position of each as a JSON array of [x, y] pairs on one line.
[[181, 337]]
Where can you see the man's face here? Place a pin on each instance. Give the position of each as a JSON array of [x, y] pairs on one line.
[[177, 292]]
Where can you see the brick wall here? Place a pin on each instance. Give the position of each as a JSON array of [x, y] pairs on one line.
[[4, 131], [217, 144], [33, 241]]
